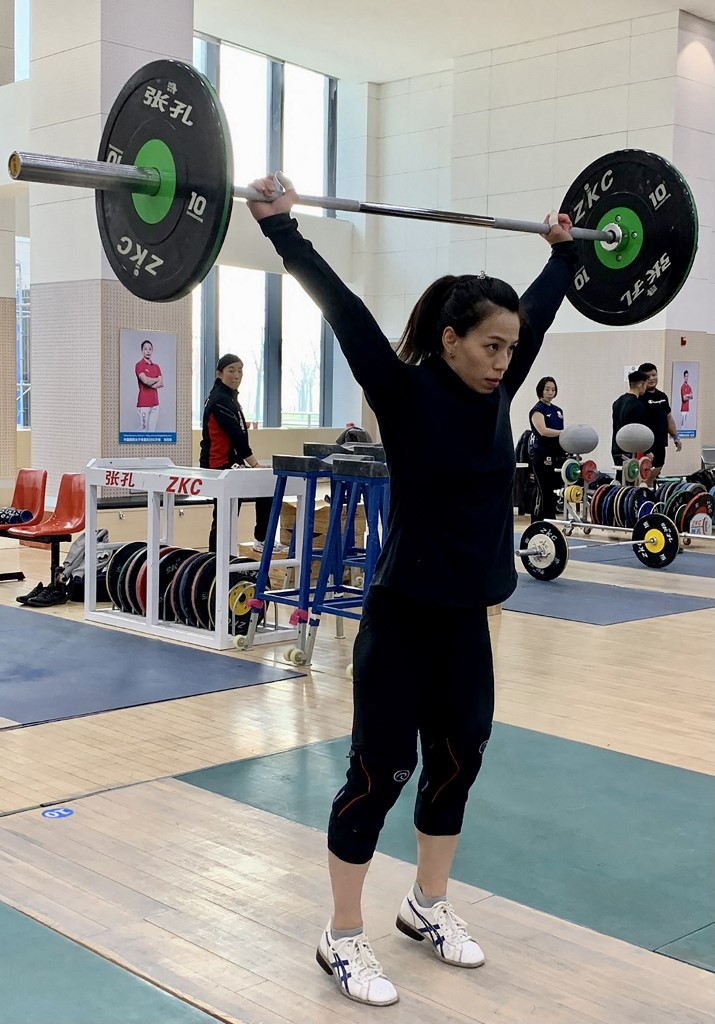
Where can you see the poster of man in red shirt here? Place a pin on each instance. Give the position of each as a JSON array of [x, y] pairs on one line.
[[147, 402], [684, 399]]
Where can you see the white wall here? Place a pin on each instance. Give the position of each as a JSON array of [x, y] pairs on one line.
[[694, 154]]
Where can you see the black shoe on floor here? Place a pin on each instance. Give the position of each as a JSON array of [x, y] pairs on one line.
[[56, 594], [24, 598]]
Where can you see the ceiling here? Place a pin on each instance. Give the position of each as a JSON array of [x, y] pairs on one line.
[[385, 40]]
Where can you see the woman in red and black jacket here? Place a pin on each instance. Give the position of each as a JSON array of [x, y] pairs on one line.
[[224, 441]]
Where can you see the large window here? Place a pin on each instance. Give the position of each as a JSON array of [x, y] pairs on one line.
[[22, 329], [243, 79], [242, 318], [300, 371], [304, 130], [279, 116], [22, 39]]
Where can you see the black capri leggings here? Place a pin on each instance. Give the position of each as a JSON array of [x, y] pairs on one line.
[[405, 686]]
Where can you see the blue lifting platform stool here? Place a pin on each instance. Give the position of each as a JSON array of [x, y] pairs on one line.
[[311, 470], [353, 481]]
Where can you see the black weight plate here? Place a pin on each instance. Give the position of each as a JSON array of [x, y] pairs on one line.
[[167, 107], [627, 507], [641, 496], [555, 561], [182, 598], [200, 592], [658, 197], [140, 588], [131, 581], [679, 499], [170, 612], [663, 532], [618, 506], [626, 497], [607, 506], [115, 566], [595, 502], [661, 492], [128, 578], [671, 490], [170, 560]]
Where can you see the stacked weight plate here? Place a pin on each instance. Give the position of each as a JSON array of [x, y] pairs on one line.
[[187, 586]]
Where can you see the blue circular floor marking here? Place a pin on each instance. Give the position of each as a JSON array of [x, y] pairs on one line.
[[57, 812]]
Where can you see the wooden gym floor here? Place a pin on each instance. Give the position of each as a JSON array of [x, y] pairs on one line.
[[220, 904]]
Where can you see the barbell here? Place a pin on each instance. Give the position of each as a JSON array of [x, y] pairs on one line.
[[164, 195]]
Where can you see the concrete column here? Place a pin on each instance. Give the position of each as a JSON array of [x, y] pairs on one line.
[[82, 53], [7, 41]]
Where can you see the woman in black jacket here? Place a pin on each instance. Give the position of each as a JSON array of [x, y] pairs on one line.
[[224, 441]]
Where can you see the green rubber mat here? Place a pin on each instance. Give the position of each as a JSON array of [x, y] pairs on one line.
[[47, 979], [622, 845], [697, 948]]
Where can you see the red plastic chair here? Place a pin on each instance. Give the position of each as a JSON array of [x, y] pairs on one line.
[[66, 519], [29, 494]]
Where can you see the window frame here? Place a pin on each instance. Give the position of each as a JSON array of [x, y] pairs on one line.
[[273, 335]]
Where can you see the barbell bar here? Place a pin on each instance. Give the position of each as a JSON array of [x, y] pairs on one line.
[[164, 194], [99, 175], [539, 550]]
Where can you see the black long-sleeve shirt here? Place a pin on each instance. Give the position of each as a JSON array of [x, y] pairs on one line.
[[449, 449]]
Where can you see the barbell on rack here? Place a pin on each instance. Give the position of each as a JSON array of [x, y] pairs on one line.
[[544, 551], [164, 195]]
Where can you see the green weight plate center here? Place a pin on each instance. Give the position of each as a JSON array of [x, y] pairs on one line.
[[630, 245], [153, 209]]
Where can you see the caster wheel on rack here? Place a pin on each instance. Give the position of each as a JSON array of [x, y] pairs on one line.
[[349, 671], [239, 642], [288, 654], [299, 657], [686, 541], [586, 531]]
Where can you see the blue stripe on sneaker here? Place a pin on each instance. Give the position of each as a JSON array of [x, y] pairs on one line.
[[338, 966], [432, 930]]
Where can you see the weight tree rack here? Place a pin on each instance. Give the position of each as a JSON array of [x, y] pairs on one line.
[[161, 480]]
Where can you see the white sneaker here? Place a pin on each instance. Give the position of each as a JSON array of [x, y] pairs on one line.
[[451, 942], [278, 549], [355, 968]]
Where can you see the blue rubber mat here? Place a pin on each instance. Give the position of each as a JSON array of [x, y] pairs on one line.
[[687, 563], [53, 668], [47, 979], [616, 843], [599, 604]]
